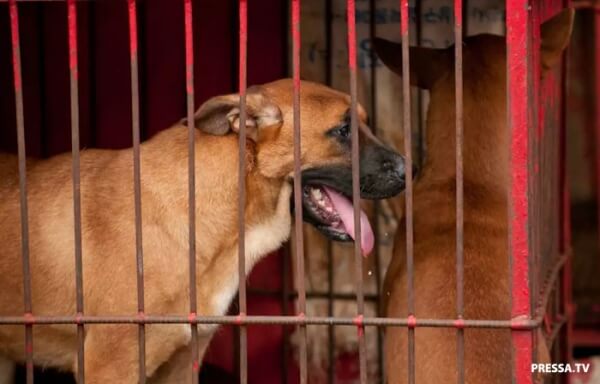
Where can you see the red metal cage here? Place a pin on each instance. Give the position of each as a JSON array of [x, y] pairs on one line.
[[540, 272]]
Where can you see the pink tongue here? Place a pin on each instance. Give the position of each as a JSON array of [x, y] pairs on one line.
[[344, 208]]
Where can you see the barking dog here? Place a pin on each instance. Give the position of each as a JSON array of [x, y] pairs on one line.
[[109, 266], [486, 149]]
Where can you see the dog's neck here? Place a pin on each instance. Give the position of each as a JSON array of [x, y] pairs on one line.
[[267, 210], [485, 139]]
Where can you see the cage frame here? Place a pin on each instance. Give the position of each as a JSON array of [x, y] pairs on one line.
[[523, 16]]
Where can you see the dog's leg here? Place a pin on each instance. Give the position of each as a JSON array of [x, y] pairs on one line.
[[178, 369], [7, 371], [112, 351], [111, 354]]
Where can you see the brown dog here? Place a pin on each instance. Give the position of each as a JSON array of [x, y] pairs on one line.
[[109, 266], [486, 149]]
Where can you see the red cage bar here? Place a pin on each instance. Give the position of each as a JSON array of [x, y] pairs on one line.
[[522, 41], [458, 76], [189, 90], [525, 324], [362, 352], [73, 69], [16, 50], [298, 187], [243, 46], [135, 124], [518, 65], [406, 121], [376, 254]]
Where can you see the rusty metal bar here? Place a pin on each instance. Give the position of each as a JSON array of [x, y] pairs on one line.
[[330, 276], [410, 322], [243, 46], [16, 53], [550, 280], [536, 143], [376, 204], [360, 301], [404, 27], [565, 206], [559, 324], [458, 77], [298, 187], [284, 294], [285, 259], [518, 56], [189, 88], [135, 118], [74, 89], [330, 298]]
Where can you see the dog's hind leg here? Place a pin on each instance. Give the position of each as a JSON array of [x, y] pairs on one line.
[[7, 371]]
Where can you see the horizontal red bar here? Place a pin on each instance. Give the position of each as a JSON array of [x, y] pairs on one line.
[[515, 324]]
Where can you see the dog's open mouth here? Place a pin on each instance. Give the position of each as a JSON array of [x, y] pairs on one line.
[[333, 214]]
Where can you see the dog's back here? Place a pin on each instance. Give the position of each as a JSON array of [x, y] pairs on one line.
[[485, 231], [487, 352]]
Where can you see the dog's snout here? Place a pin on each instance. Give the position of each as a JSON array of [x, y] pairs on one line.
[[400, 168], [392, 165], [383, 172]]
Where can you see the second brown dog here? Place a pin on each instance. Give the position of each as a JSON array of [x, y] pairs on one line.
[[486, 149]]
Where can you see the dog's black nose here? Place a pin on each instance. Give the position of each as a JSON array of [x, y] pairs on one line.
[[382, 172], [398, 166]]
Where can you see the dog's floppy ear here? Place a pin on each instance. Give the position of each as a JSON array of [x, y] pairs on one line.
[[556, 34], [427, 65], [221, 114]]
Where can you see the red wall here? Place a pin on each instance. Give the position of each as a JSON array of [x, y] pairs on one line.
[[104, 87]]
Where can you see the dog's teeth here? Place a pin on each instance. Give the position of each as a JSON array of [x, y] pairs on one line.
[[317, 194]]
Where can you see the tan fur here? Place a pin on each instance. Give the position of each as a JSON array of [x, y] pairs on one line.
[[486, 279], [108, 231]]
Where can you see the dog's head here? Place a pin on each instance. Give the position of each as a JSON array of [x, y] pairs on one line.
[[484, 96], [325, 150], [428, 66]]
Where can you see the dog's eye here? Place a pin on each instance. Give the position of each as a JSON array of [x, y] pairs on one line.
[[343, 131]]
